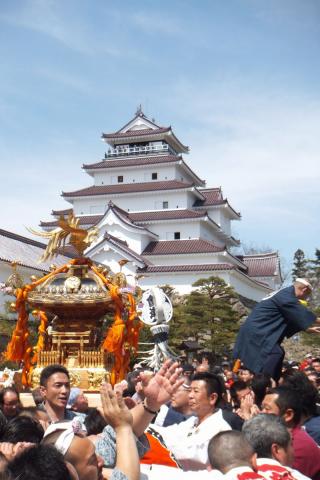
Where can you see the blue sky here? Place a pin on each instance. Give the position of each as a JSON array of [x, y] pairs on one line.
[[237, 79]]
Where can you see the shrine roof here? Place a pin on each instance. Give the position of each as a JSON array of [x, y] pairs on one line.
[[135, 161], [175, 247], [262, 265], [128, 188], [187, 268], [26, 252]]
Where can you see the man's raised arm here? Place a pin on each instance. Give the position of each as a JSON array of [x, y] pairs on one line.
[[157, 391]]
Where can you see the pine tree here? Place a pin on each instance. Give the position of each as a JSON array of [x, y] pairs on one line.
[[314, 276], [300, 265], [207, 316], [315, 266], [221, 319]]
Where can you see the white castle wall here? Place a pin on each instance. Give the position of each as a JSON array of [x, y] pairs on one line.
[[143, 201], [141, 174], [182, 282]]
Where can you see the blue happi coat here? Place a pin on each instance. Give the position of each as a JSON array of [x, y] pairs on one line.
[[278, 316]]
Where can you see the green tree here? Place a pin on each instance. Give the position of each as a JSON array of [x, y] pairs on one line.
[[300, 265], [315, 266], [220, 315], [314, 275], [207, 315]]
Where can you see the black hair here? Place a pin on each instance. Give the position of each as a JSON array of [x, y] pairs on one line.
[[288, 398], [213, 383], [94, 422], [41, 461], [22, 429], [308, 393], [260, 384], [6, 390], [237, 387], [51, 370]]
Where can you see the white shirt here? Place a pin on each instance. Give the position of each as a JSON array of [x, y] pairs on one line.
[[189, 441]]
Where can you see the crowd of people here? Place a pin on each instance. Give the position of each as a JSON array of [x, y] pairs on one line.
[[198, 420]]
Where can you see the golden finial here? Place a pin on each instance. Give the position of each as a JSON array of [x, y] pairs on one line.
[[68, 230]]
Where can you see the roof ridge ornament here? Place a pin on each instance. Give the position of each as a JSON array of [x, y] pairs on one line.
[[139, 112]]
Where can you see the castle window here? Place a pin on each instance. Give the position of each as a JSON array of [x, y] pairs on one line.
[[154, 176], [120, 178], [177, 235], [165, 204]]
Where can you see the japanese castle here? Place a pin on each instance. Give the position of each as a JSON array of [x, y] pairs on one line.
[[154, 213]]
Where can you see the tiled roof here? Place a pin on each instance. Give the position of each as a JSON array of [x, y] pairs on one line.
[[127, 188], [25, 251], [174, 247], [138, 217], [165, 215], [212, 196], [83, 220], [61, 212], [135, 133], [136, 161], [187, 268], [261, 265]]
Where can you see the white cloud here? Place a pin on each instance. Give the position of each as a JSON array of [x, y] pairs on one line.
[[52, 19], [254, 143]]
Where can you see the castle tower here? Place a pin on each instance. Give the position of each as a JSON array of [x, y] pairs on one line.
[[155, 212]]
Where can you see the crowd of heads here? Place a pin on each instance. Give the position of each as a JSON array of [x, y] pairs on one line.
[[258, 411]]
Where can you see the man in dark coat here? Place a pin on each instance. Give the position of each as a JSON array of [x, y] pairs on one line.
[[280, 315]]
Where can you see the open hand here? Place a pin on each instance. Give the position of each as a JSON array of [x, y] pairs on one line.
[[114, 408], [159, 389]]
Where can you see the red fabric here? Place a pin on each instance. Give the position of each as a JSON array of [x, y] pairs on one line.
[[275, 472], [249, 476], [306, 454]]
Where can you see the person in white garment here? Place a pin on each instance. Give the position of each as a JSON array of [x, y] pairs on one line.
[[188, 441]]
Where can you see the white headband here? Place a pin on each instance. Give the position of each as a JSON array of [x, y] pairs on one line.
[[64, 440]]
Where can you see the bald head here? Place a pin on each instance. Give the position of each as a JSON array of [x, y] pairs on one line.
[[229, 450]]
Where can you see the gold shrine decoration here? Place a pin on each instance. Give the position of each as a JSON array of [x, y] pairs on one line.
[[68, 230], [19, 349], [121, 339]]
